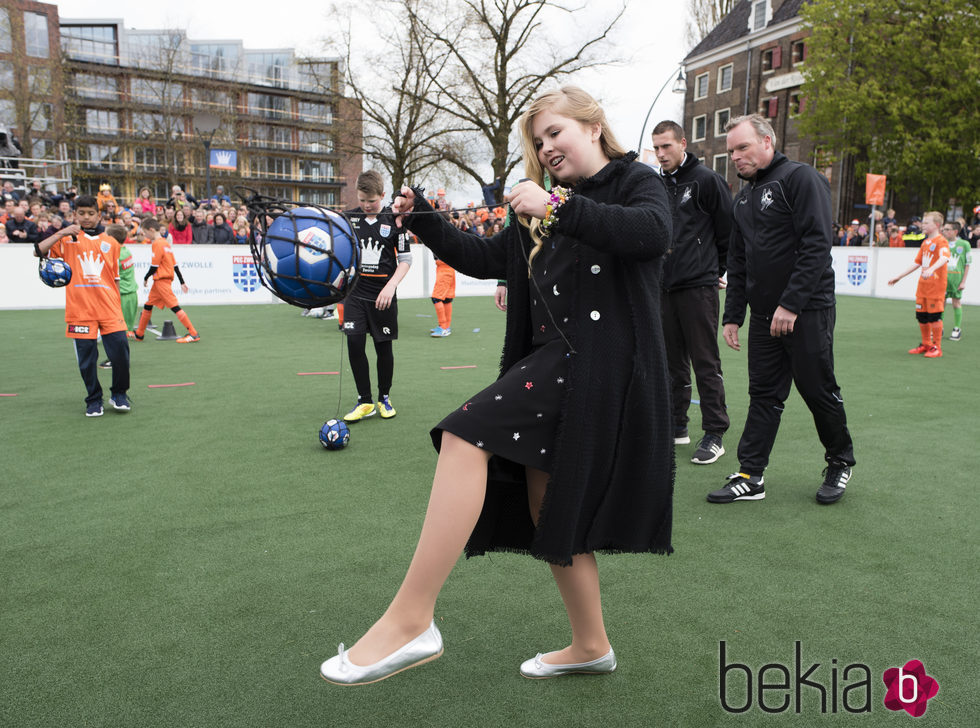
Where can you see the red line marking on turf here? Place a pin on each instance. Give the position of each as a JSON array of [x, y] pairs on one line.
[[8, 395], [158, 386], [464, 366], [309, 374]]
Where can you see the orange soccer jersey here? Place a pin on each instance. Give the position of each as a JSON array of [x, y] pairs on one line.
[[92, 296], [162, 293], [935, 286]]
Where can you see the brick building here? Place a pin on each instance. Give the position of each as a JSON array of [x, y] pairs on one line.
[[157, 107], [753, 61]]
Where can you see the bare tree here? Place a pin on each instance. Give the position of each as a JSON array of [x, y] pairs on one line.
[[703, 16], [486, 61], [396, 117]]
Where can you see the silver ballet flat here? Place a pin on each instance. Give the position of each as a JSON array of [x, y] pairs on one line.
[[538, 670], [340, 670]]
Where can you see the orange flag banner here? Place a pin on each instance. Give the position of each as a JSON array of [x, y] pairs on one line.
[[874, 189]]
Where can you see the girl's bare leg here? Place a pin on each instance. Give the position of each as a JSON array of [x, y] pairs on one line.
[[458, 490], [579, 588]]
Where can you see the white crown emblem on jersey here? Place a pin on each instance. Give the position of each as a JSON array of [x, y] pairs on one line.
[[224, 158], [766, 198], [686, 196], [92, 266]]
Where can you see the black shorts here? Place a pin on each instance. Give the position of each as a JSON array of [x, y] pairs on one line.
[[361, 317]]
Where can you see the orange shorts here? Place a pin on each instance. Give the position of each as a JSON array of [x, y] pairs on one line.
[[91, 329], [445, 286], [162, 294], [930, 305]]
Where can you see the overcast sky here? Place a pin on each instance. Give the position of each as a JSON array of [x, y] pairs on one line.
[[650, 36]]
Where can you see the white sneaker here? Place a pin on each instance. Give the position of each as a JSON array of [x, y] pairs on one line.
[[955, 334]]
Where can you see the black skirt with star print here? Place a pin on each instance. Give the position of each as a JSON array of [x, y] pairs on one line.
[[517, 416]]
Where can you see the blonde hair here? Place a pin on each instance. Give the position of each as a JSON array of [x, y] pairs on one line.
[[936, 216], [759, 124], [573, 103]]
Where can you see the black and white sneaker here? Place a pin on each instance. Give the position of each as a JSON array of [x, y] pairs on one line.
[[709, 450], [739, 487], [681, 437], [105, 365], [835, 477], [956, 334]]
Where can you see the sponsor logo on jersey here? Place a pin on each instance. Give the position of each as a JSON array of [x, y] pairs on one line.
[[243, 273], [766, 199], [385, 230], [74, 329], [857, 269], [348, 324], [105, 247], [386, 331]]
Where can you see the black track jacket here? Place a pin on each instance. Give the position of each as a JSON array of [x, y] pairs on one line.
[[701, 206], [779, 254]]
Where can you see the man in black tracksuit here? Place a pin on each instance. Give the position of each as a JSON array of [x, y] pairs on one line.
[[701, 205], [779, 263]]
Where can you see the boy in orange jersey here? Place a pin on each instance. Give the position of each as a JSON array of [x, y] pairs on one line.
[[930, 294], [163, 268], [443, 293], [92, 303]]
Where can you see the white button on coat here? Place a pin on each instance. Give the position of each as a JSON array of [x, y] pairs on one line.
[[594, 315], [596, 269]]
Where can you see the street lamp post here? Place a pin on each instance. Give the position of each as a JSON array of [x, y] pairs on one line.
[[205, 125], [679, 87]]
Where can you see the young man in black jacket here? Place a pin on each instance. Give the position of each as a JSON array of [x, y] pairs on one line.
[[779, 263], [701, 207]]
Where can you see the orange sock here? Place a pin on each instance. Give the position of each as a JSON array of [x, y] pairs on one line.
[[144, 320], [926, 330], [340, 314], [937, 334], [449, 314], [182, 315], [441, 314]]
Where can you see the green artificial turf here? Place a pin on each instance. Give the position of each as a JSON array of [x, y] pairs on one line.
[[192, 562]]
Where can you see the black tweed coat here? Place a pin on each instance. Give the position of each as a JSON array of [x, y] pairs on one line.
[[612, 482]]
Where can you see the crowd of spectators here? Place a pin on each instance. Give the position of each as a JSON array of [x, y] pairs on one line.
[[888, 233], [31, 216], [483, 221]]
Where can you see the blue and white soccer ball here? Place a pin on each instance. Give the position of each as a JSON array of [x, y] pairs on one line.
[[54, 272], [310, 255], [334, 435]]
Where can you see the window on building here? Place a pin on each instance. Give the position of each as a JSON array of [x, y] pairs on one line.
[[317, 75], [212, 99], [701, 87], [91, 43], [6, 42], [155, 92], [97, 155], [720, 165], [274, 167], [725, 78], [799, 52], [215, 59], [769, 107], [315, 141], [721, 120], [269, 105], [101, 121], [796, 103], [41, 116], [152, 124], [8, 113], [760, 15], [38, 81], [148, 159], [699, 128], [269, 69], [314, 171], [6, 76], [772, 59], [94, 86], [36, 35], [43, 149], [315, 111], [327, 198]]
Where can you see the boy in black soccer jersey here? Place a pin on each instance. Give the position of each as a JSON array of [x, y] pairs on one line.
[[372, 306]]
